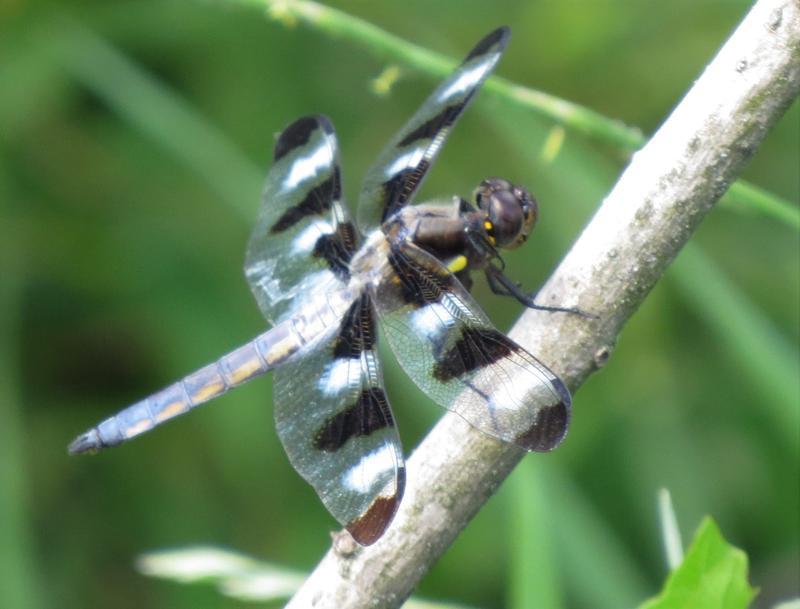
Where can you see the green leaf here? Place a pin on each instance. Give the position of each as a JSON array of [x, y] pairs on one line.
[[712, 575]]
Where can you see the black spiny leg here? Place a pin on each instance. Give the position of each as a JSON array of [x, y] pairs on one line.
[[503, 286]]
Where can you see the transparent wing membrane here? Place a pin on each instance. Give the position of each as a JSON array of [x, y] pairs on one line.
[[335, 423], [450, 349], [303, 240]]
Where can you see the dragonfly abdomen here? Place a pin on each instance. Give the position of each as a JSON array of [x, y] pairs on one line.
[[260, 355], [207, 383]]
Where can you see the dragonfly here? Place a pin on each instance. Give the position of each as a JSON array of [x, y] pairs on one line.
[[324, 282]]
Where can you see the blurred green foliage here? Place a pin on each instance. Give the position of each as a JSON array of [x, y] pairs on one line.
[[712, 575], [133, 140]]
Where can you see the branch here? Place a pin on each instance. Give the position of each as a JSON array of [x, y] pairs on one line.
[[668, 188]]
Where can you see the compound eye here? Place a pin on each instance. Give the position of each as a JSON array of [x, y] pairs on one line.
[[530, 212], [489, 186], [506, 215], [511, 211]]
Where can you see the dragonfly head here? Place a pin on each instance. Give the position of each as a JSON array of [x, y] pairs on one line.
[[511, 211]]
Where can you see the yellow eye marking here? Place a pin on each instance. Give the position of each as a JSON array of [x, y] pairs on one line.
[[487, 224], [459, 263]]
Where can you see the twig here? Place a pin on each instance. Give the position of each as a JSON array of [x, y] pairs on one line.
[[652, 211]]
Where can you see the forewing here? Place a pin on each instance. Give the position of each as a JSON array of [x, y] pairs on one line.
[[450, 349], [334, 420], [303, 239], [400, 168]]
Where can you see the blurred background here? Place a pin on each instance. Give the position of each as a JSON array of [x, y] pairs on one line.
[[134, 137]]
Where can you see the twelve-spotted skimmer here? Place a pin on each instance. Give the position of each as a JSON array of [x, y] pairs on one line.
[[323, 283]]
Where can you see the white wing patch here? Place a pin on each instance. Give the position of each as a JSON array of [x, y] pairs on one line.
[[308, 167], [467, 80], [304, 242], [411, 158], [339, 375], [431, 320], [370, 470], [519, 389]]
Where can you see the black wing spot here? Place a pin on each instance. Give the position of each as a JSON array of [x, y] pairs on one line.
[[499, 36], [348, 237], [419, 285], [549, 429], [368, 414], [317, 201], [369, 526], [476, 348], [330, 249], [295, 136], [432, 126], [337, 249], [399, 188], [357, 331]]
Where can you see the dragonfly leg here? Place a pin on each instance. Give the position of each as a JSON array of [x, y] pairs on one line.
[[503, 286]]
